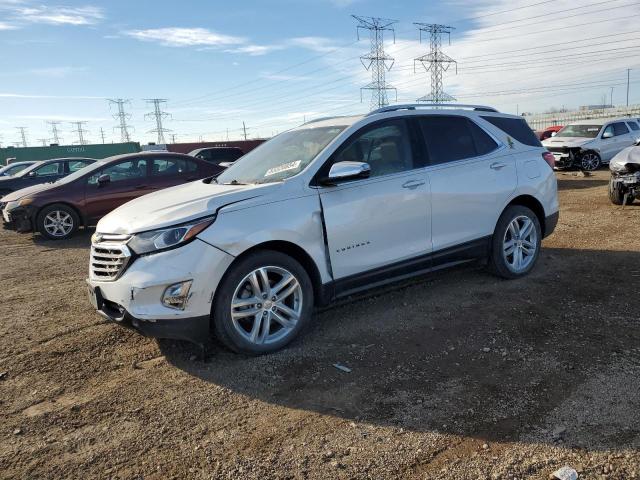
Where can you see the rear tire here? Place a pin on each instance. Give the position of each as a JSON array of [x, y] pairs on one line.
[[57, 221], [263, 303], [515, 246]]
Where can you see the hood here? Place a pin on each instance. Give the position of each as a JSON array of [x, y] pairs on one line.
[[566, 141], [175, 205], [23, 192], [628, 155]]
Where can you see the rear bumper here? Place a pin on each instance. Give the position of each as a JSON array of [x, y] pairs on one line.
[[550, 223]]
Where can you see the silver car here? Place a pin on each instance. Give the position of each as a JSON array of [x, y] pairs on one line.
[[322, 211]]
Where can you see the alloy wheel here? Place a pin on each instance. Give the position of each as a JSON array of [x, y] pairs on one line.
[[520, 244], [266, 305], [58, 223], [590, 162]]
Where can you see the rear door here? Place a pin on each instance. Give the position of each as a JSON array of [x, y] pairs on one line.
[[170, 171], [129, 179], [472, 176], [380, 220]]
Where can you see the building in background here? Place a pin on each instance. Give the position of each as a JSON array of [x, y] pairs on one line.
[[100, 150]]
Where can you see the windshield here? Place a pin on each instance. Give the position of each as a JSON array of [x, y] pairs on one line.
[[24, 172], [584, 131], [13, 168], [81, 173], [281, 157]]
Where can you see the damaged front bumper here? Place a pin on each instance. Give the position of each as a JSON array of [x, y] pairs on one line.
[[628, 182], [19, 218]]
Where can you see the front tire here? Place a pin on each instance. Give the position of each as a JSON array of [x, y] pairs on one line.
[[263, 303], [590, 161], [516, 242], [57, 222]]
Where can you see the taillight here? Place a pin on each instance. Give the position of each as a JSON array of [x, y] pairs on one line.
[[549, 158]]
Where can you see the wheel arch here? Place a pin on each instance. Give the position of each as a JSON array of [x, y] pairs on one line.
[[534, 205], [36, 214], [297, 253]]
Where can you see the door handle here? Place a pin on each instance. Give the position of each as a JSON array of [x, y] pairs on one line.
[[497, 166], [413, 184]]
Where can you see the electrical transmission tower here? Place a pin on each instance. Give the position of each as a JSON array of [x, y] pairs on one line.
[[23, 135], [80, 131], [158, 114], [122, 117], [54, 131], [377, 61], [102, 134], [435, 61], [43, 141]]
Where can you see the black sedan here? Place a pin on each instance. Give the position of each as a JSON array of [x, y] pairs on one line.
[[42, 172]]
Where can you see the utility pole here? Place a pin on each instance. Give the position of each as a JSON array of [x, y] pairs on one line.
[[44, 141], [244, 129], [122, 117], [611, 102], [158, 114], [173, 137], [376, 60], [80, 131], [23, 135], [227, 134], [435, 61], [628, 74], [102, 134], [54, 131]]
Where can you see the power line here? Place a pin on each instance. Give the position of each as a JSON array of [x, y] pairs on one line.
[[80, 131], [122, 118], [54, 131], [23, 135], [158, 114], [438, 62], [376, 60]]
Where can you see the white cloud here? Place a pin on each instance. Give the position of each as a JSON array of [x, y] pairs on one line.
[[8, 26], [56, 72], [61, 118], [315, 44], [60, 15], [185, 37], [255, 50], [62, 97]]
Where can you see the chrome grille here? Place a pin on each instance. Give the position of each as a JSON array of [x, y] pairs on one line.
[[108, 259]]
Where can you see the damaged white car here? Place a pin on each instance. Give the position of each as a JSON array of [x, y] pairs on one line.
[[587, 144], [624, 185]]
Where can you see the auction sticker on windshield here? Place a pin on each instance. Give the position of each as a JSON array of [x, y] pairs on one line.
[[283, 168]]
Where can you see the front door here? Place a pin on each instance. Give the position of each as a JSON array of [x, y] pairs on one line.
[[127, 180], [384, 219]]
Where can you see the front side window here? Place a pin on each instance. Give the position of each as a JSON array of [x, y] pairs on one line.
[[282, 157], [386, 148], [48, 170], [450, 138], [619, 128], [131, 169]]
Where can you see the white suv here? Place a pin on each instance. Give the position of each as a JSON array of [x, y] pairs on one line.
[[327, 209], [589, 143]]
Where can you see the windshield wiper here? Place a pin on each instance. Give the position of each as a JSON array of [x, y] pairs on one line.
[[235, 182]]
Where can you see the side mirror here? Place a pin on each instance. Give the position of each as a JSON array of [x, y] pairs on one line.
[[607, 135], [553, 134], [225, 164], [638, 142], [103, 179], [31, 174], [343, 171]]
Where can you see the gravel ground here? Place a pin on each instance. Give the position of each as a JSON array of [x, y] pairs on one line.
[[455, 375]]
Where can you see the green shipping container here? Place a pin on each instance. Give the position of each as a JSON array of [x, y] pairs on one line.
[[96, 151]]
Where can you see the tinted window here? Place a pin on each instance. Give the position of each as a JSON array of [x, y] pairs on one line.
[[384, 147], [49, 169], [619, 128], [484, 143], [172, 166], [122, 171], [516, 128], [634, 126], [75, 165], [448, 138]]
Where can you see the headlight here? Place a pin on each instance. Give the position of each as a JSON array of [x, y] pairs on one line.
[[10, 205], [165, 238]]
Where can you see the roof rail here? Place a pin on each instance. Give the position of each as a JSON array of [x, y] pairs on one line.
[[322, 119], [416, 106]]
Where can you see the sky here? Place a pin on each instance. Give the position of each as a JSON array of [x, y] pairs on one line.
[[273, 64]]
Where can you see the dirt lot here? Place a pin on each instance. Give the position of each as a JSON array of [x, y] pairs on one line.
[[454, 375]]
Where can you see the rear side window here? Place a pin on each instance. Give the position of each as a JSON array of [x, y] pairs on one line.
[[172, 166], [75, 165], [633, 126], [450, 138], [516, 128], [619, 128], [54, 168]]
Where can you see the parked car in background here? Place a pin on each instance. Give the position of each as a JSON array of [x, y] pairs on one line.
[[587, 144], [81, 199], [322, 211], [549, 132], [624, 186], [222, 157], [46, 171], [13, 168]]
